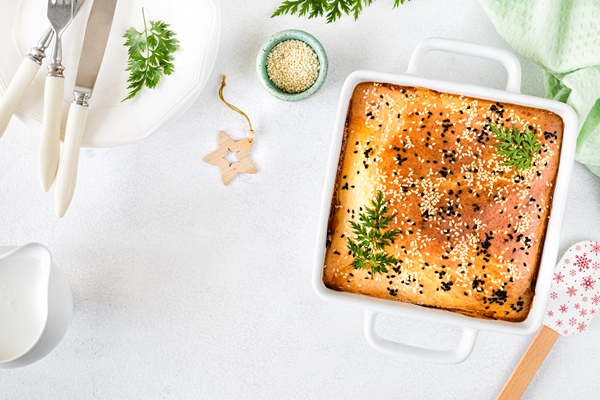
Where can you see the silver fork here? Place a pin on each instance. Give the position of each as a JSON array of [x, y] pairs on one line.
[[60, 15], [24, 76]]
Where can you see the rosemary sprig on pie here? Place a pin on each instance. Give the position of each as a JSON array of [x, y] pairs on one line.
[[518, 148], [372, 236]]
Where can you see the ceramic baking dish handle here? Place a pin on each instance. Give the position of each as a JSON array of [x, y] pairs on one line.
[[504, 57], [453, 356]]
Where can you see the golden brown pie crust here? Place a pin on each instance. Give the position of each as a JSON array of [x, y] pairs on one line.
[[472, 228]]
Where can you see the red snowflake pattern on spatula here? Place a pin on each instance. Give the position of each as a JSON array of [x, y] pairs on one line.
[[575, 292]]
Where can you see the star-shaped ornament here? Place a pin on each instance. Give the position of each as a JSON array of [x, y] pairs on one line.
[[229, 169]]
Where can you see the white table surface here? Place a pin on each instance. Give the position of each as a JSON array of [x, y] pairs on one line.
[[184, 288]]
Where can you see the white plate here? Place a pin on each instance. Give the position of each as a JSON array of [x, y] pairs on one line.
[[110, 122]]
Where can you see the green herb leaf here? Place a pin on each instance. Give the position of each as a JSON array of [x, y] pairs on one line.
[[517, 147], [150, 55], [372, 236], [331, 9]]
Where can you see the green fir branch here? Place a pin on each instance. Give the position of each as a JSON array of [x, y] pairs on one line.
[[398, 2], [331, 9], [372, 236]]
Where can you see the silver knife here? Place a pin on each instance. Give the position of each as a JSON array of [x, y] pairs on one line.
[[92, 53]]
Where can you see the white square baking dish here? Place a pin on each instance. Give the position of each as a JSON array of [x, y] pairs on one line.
[[470, 325]]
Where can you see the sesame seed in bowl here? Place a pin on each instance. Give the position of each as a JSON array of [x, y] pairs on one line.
[[292, 65]]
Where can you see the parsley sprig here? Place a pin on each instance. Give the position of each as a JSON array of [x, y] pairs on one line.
[[150, 55], [332, 9], [517, 147], [372, 236]]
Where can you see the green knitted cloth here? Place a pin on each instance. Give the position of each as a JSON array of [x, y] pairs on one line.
[[562, 37]]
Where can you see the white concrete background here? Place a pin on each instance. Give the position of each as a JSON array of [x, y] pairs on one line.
[[186, 289]]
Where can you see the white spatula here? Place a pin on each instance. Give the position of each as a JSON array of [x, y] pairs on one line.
[[574, 299]]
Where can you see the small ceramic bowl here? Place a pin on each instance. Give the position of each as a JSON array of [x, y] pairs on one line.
[[292, 34]]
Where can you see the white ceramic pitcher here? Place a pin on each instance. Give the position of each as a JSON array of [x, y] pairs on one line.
[[36, 305]]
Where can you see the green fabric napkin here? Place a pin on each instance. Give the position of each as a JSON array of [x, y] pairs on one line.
[[562, 37]]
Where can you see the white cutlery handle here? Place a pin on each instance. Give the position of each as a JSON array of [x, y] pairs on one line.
[[66, 175], [50, 144], [15, 91]]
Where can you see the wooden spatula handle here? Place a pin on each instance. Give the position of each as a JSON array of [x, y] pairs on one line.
[[528, 365]]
